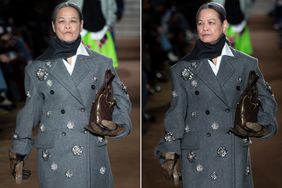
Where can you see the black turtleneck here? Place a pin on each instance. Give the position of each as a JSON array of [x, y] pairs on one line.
[[60, 49]]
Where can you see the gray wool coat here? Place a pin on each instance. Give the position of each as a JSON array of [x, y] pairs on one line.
[[58, 105], [200, 116]]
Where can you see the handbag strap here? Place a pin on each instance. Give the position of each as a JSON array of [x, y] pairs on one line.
[[252, 80], [109, 76]]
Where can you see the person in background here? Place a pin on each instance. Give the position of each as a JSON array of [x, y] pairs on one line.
[[206, 86], [15, 55], [238, 32], [99, 18], [60, 86], [5, 103]]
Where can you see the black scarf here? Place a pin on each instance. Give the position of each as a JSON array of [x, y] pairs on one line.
[[60, 49], [203, 50]]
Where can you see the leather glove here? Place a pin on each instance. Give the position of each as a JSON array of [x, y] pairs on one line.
[[171, 167], [256, 130], [16, 167], [108, 128]]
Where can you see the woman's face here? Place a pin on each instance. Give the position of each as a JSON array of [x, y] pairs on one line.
[[209, 26], [67, 24]]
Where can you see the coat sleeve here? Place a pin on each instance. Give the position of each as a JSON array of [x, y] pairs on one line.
[[121, 113], [27, 118], [174, 118], [268, 110]]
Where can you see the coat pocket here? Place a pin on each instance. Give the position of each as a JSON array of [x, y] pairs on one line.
[[45, 140], [191, 141]]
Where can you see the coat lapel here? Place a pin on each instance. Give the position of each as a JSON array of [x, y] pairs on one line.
[[81, 69], [226, 70], [205, 73], [228, 76], [60, 73]]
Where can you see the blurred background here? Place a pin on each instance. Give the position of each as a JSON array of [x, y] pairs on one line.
[[168, 33], [25, 27]]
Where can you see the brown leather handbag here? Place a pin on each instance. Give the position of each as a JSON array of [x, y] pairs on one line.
[[102, 109], [247, 110]]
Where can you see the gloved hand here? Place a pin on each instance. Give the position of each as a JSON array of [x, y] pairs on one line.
[[106, 128], [16, 167], [112, 129], [256, 130], [171, 167]]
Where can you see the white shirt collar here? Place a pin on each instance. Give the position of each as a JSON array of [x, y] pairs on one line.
[[80, 51], [225, 51]]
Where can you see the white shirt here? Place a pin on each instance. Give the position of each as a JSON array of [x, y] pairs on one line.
[[225, 51], [80, 51]]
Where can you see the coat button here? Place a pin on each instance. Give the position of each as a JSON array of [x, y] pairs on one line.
[[52, 92], [100, 139], [54, 166], [82, 109], [45, 155], [246, 141], [102, 170], [28, 94], [227, 110], [208, 134], [187, 129], [49, 83], [174, 94], [42, 127], [248, 170], [215, 126], [207, 112], [199, 168], [194, 83], [197, 92], [238, 88], [63, 111], [93, 87], [15, 136], [64, 133], [70, 125], [49, 114]]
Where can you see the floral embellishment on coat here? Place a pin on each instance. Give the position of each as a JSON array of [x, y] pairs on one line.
[[169, 137], [268, 88], [187, 74], [41, 74], [124, 88]]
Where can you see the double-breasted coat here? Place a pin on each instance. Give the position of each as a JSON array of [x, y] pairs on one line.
[[59, 105], [200, 116]]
